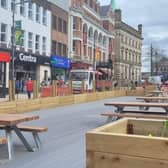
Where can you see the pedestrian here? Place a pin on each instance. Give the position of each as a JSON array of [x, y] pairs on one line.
[[17, 87], [29, 87]]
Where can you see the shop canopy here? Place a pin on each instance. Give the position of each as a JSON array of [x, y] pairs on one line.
[[4, 56]]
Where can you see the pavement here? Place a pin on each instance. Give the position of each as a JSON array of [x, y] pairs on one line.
[[64, 143]]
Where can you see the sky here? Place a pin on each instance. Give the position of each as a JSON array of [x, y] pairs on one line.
[[153, 15]]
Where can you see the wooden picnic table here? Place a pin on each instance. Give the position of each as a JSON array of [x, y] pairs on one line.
[[121, 105], [153, 99], [10, 122], [157, 93]]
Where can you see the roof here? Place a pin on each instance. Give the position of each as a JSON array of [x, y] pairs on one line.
[[104, 10]]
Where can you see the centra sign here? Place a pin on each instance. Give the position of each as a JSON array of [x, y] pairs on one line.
[[27, 58]]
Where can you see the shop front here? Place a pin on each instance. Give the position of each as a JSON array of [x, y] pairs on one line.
[[44, 70], [25, 66], [4, 72], [59, 67]]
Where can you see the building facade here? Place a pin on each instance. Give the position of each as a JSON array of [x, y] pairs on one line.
[[60, 62], [91, 36], [128, 51], [31, 57]]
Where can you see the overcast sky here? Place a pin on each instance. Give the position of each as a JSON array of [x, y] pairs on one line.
[[152, 14]]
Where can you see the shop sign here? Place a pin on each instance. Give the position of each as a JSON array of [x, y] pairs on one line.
[[27, 58], [60, 62]]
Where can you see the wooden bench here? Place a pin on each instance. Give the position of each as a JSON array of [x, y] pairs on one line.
[[116, 116], [153, 99], [3, 140], [149, 95], [34, 130], [144, 112]]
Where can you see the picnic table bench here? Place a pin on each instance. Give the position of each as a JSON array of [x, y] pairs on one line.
[[153, 99], [156, 93], [10, 122], [110, 115], [121, 105]]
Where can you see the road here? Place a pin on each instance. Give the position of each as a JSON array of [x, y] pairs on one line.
[[64, 143]]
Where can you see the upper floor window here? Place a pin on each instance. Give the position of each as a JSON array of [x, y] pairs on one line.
[[22, 8], [44, 44], [91, 3], [30, 11], [59, 24], [3, 34], [74, 23], [13, 5], [37, 43], [30, 40], [37, 14], [54, 22], [64, 50], [4, 4], [22, 40], [64, 26], [44, 16]]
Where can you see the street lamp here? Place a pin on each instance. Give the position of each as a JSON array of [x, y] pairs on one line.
[[13, 43]]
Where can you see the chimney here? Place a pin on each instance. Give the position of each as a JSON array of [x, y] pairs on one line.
[[118, 16], [140, 28]]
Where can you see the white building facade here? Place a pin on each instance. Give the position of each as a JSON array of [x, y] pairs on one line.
[[32, 54]]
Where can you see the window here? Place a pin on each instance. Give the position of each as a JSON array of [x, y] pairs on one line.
[[22, 8], [54, 22], [44, 44], [12, 5], [59, 48], [30, 11], [37, 43], [22, 43], [44, 17], [54, 47], [30, 40], [64, 27], [64, 50], [74, 45], [74, 23], [3, 33], [4, 4], [37, 14], [59, 24]]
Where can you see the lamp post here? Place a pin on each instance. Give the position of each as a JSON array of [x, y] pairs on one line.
[[12, 76]]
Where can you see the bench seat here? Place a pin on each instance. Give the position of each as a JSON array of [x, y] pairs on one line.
[[32, 128], [119, 115], [3, 140], [144, 112]]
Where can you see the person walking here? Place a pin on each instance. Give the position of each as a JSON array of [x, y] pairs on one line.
[[29, 87]]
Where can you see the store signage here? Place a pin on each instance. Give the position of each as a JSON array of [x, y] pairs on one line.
[[60, 62], [27, 58]]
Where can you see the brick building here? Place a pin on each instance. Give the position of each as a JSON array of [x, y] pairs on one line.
[[91, 35], [59, 45], [128, 51]]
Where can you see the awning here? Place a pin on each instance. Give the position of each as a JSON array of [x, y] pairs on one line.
[[4, 56]]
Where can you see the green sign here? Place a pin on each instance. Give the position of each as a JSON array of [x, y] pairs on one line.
[[18, 36]]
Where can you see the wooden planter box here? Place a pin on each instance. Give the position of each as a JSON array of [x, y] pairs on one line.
[[128, 143]]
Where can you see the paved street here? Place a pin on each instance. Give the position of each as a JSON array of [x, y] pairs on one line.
[[64, 143]]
